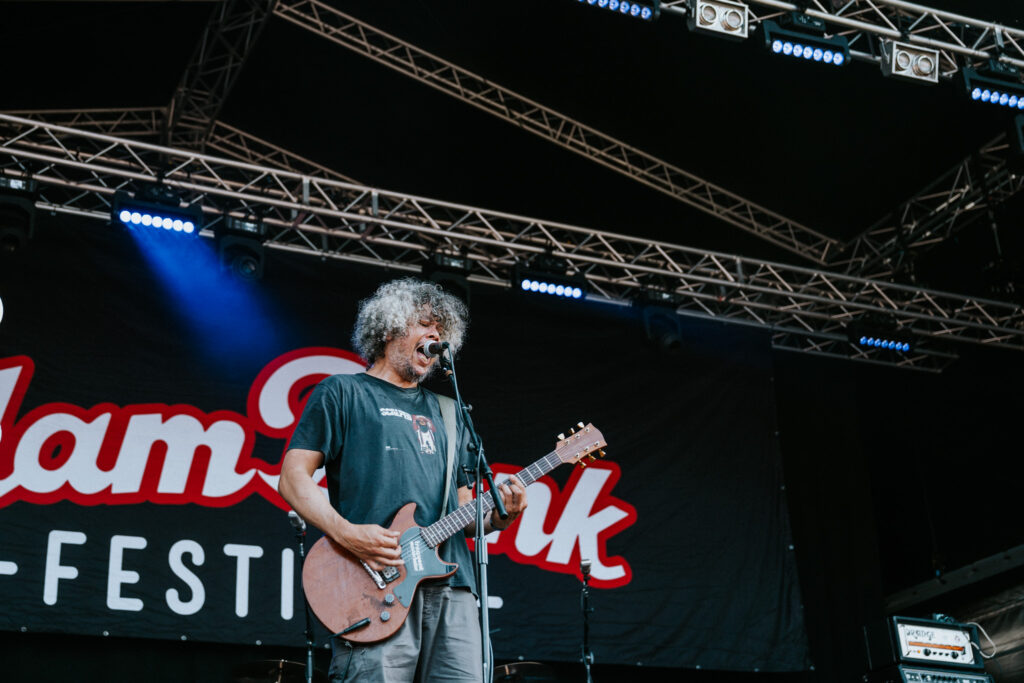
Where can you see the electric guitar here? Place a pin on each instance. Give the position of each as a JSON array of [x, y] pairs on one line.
[[363, 605]]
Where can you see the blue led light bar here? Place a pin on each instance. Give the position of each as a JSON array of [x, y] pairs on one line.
[[528, 284], [648, 10], [808, 47], [999, 85], [881, 343], [549, 278], [133, 212]]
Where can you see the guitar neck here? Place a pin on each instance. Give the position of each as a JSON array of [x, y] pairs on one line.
[[457, 520]]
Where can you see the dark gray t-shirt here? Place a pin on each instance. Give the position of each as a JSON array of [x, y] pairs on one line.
[[385, 446]]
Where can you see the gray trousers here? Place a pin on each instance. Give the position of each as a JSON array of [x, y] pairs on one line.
[[439, 641]]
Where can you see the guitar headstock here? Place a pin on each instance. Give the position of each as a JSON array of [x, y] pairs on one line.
[[583, 445]]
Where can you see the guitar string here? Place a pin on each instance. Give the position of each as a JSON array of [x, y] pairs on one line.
[[446, 523]]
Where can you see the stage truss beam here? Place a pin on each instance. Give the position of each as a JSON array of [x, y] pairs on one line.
[[806, 309], [429, 69], [227, 40], [146, 124], [874, 253], [951, 203]]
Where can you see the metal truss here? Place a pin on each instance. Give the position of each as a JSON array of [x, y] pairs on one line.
[[148, 124], [952, 202], [807, 309], [960, 40], [223, 48], [875, 253], [406, 58]]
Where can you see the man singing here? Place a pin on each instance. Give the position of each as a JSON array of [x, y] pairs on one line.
[[383, 443]]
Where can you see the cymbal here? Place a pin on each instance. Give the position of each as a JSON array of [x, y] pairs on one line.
[[274, 671], [523, 671]]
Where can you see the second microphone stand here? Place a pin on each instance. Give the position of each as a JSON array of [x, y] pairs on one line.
[[482, 472], [588, 656], [300, 536]]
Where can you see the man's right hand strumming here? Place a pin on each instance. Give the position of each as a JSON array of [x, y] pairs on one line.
[[374, 545]]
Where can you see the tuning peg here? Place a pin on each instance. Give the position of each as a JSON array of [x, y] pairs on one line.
[[572, 431], [580, 425], [583, 463], [600, 453], [592, 458], [561, 437]]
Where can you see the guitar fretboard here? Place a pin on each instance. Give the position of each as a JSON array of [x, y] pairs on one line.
[[457, 520]]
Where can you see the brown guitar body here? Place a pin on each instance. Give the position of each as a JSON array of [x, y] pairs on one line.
[[343, 594]]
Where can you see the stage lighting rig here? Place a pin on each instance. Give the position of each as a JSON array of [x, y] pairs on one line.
[[17, 212], [803, 37], [545, 274], [995, 83], [450, 270], [648, 10], [722, 18], [158, 208], [910, 62], [662, 325], [240, 246]]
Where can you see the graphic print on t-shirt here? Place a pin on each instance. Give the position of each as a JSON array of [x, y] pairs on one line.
[[424, 434], [423, 426]]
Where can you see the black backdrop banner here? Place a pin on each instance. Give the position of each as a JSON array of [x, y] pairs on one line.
[[146, 399]]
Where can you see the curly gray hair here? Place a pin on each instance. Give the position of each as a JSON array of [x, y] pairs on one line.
[[397, 303]]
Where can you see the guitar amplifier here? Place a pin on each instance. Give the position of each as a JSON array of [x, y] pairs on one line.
[[911, 643], [915, 674]]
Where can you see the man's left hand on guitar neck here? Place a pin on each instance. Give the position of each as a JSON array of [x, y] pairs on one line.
[[513, 495]]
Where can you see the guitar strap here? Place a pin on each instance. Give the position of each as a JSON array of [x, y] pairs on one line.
[[448, 417]]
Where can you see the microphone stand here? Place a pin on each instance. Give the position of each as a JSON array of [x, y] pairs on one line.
[[482, 471], [300, 536], [588, 656]]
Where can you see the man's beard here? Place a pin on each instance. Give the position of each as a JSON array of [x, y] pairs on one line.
[[406, 369]]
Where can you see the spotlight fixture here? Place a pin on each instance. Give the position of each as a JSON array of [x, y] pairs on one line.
[[662, 325], [995, 83], [723, 18], [156, 207], [240, 246], [17, 212], [803, 37], [450, 270], [648, 10], [882, 334], [547, 275], [910, 62]]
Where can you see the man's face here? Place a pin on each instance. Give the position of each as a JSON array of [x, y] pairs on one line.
[[405, 354]]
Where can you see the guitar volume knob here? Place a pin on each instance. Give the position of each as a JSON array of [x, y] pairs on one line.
[[385, 615], [389, 599]]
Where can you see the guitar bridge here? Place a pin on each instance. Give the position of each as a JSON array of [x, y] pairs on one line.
[[375, 575]]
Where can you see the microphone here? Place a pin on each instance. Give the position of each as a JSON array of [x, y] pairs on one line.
[[434, 348], [585, 568], [297, 522]]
